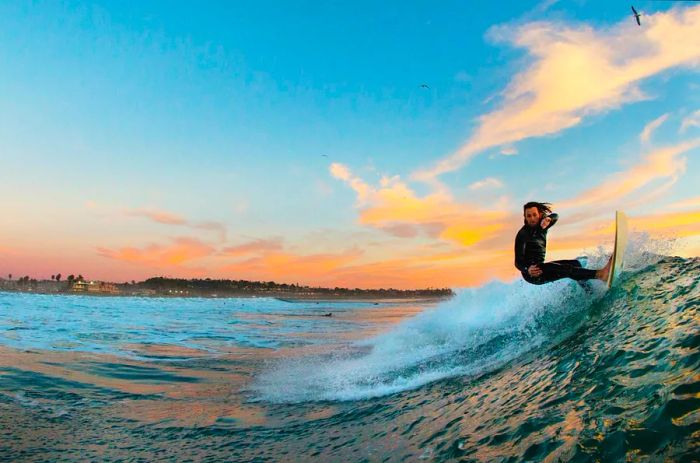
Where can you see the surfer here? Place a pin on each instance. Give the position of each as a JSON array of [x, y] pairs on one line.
[[531, 245]]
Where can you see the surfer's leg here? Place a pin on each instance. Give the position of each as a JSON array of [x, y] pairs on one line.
[[571, 262], [556, 270]]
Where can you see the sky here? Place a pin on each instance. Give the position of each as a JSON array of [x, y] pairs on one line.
[[352, 144]]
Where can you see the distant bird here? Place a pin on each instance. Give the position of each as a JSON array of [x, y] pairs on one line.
[[636, 16], [424, 86], [324, 155]]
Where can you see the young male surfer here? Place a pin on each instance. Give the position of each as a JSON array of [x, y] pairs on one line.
[[531, 245]]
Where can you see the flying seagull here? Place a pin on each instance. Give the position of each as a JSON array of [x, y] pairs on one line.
[[636, 16], [424, 86]]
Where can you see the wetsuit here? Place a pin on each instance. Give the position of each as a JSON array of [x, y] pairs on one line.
[[530, 248]]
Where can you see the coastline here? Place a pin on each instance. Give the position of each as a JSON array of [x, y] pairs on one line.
[[281, 296]]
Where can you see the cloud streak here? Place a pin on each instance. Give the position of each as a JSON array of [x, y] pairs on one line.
[[645, 136], [180, 251], [167, 218], [693, 120], [632, 187], [253, 247], [575, 72], [489, 182]]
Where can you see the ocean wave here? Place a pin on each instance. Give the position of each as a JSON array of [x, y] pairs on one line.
[[476, 332]]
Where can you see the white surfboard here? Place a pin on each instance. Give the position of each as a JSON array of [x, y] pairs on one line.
[[620, 246]]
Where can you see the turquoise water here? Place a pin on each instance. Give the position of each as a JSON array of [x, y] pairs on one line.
[[505, 372]]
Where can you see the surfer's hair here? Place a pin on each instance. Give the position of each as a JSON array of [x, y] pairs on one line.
[[544, 208]]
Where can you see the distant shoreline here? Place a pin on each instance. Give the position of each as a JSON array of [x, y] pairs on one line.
[[284, 297], [215, 289]]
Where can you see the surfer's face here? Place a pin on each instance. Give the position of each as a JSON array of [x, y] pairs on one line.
[[532, 217]]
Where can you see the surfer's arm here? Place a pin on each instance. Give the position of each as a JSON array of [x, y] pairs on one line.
[[553, 217], [520, 263]]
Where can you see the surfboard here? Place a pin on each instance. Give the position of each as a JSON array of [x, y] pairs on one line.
[[619, 249]]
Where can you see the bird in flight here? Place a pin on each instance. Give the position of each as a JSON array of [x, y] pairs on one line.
[[324, 155], [424, 86], [636, 16]]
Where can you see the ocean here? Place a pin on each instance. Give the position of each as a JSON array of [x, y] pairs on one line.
[[502, 372]]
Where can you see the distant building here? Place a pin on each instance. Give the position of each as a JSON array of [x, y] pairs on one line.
[[95, 287], [79, 286]]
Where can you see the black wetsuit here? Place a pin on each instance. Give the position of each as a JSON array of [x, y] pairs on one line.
[[530, 248]]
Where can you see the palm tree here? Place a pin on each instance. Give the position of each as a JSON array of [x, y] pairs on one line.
[[58, 277]]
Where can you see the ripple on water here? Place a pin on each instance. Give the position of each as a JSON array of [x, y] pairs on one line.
[[621, 384]]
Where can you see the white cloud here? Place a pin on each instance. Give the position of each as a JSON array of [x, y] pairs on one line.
[[509, 150], [489, 182], [645, 136], [692, 120]]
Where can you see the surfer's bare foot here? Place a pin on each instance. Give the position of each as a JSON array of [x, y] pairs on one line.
[[603, 273]]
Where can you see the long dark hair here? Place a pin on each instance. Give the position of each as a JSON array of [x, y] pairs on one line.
[[543, 208]]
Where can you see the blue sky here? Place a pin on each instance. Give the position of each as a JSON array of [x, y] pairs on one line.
[[221, 112]]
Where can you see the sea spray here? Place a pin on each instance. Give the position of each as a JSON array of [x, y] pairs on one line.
[[478, 330], [475, 332]]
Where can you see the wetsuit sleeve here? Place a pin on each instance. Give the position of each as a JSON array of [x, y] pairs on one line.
[[554, 216], [520, 262]]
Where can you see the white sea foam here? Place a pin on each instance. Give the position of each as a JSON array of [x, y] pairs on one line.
[[475, 332]]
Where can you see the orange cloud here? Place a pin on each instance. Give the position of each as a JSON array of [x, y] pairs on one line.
[[292, 267], [421, 267], [576, 72], [182, 249], [493, 259], [661, 164], [601, 232], [394, 207], [686, 203], [346, 269], [452, 269], [677, 224]]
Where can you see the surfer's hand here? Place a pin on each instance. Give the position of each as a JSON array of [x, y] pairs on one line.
[[534, 271], [545, 222]]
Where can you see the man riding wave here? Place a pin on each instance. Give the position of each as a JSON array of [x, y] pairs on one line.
[[531, 246]]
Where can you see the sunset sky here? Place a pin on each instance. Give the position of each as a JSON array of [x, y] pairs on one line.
[[295, 141]]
